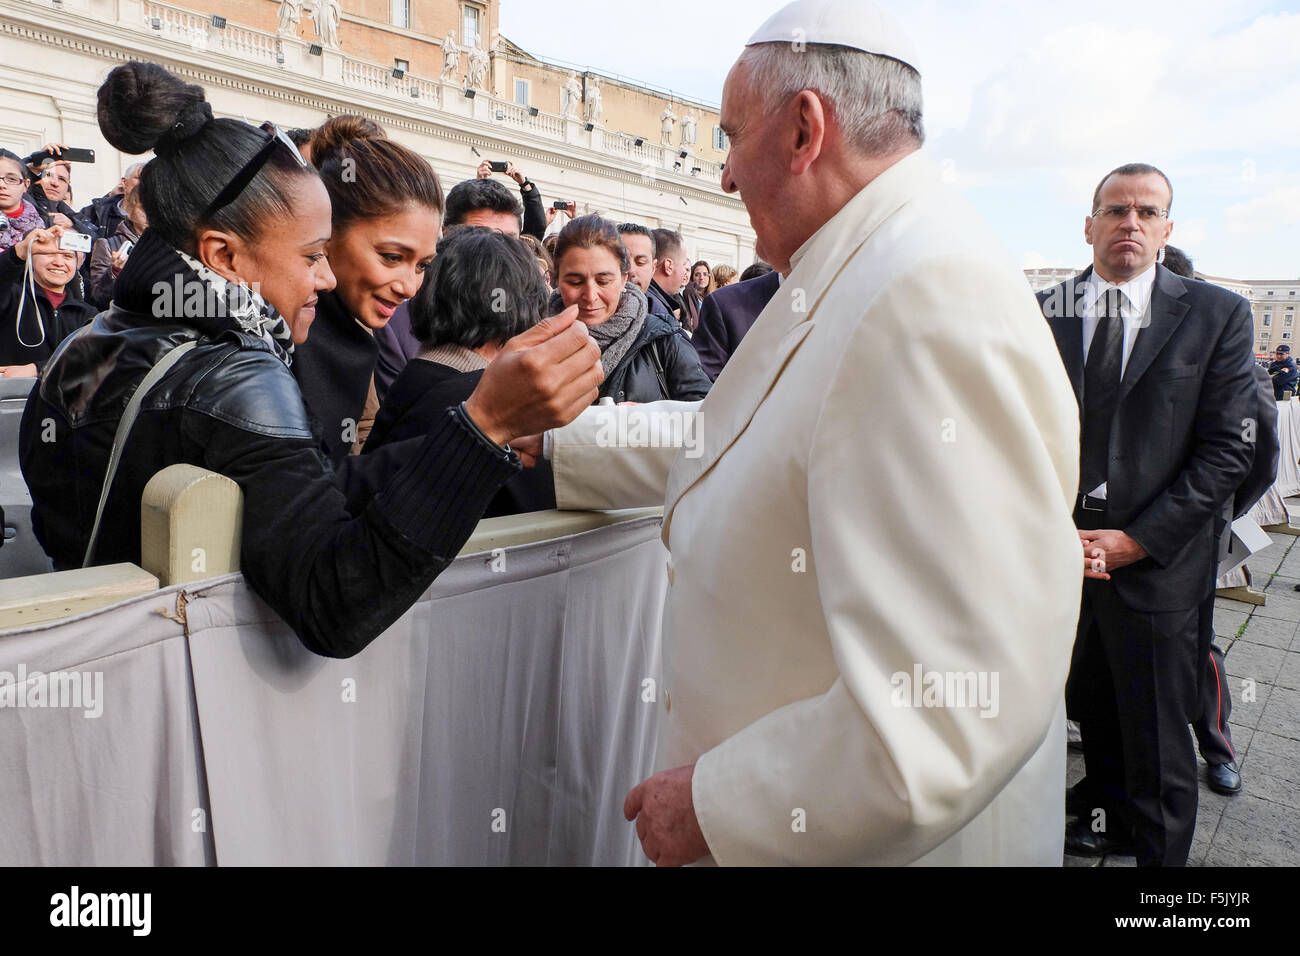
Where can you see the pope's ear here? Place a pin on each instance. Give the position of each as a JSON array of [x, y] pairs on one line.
[[810, 126]]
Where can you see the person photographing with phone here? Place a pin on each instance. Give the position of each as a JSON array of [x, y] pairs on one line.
[[40, 304], [536, 216], [51, 189]]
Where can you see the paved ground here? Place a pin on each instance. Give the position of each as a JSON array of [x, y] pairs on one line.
[[1260, 826]]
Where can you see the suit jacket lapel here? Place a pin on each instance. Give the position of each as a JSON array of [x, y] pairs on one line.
[[1067, 329], [1163, 316]]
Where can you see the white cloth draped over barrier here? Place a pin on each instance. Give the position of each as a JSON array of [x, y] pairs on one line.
[[1288, 437], [500, 721]]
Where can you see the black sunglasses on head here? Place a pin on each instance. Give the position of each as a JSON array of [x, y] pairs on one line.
[[250, 169]]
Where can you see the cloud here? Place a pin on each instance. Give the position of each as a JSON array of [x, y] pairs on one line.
[[1277, 209]]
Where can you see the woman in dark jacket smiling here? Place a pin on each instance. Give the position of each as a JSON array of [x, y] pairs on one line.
[[644, 357], [232, 208], [386, 209]]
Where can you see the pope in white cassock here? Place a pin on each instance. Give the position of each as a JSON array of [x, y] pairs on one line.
[[874, 578]]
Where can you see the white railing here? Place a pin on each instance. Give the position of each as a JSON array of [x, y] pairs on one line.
[[173, 23], [196, 31], [366, 76]]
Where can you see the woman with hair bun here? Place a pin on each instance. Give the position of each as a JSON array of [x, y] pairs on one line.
[[209, 306], [387, 216]]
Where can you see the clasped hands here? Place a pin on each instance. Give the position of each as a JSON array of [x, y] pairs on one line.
[[1106, 550]]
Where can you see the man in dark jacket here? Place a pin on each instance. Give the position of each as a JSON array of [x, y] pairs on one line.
[[55, 312], [726, 316], [1161, 367], [474, 202], [1283, 371], [672, 271], [639, 241]]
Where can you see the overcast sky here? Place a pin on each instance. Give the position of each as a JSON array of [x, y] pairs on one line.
[[1028, 102]]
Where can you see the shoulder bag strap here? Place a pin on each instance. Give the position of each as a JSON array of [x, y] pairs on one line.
[[124, 430], [659, 367]]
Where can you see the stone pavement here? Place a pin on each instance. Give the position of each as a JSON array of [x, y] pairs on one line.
[[1260, 826]]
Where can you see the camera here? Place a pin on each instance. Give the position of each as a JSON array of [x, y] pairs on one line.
[[75, 241], [499, 167]]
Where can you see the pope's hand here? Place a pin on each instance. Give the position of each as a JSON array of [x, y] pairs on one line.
[[665, 818]]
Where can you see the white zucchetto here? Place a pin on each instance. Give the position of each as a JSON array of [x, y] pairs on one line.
[[859, 24]]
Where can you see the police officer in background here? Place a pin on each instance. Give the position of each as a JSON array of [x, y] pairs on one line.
[[1282, 370]]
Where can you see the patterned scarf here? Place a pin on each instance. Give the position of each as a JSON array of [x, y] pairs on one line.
[[248, 310]]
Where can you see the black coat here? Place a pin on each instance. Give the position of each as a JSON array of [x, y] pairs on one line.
[[58, 323], [726, 316], [420, 396], [106, 213], [1177, 449], [659, 344], [340, 555], [334, 367]]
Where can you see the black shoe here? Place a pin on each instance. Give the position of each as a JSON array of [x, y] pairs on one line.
[[1225, 777], [1078, 799], [1080, 840]]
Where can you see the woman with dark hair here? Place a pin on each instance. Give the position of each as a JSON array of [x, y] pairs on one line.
[[482, 289], [191, 365], [702, 278], [645, 358], [386, 208], [20, 214]]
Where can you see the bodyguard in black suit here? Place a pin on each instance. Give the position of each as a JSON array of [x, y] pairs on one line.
[[1162, 370], [726, 316]]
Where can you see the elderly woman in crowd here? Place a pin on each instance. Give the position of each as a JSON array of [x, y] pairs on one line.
[[108, 255], [645, 358]]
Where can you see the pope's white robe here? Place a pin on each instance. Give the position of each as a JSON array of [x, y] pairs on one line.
[[888, 468]]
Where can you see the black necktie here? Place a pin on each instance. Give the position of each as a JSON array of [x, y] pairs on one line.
[[1101, 378]]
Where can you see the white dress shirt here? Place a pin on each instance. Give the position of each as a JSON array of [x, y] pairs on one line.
[[1135, 307]]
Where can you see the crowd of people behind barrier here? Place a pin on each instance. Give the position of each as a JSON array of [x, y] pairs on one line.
[[325, 287]]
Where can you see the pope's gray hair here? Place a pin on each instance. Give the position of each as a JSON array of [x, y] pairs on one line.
[[875, 100]]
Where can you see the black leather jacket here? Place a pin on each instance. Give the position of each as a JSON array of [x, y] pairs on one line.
[[339, 555]]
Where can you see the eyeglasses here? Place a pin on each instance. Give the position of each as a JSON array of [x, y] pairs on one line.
[[12, 180], [254, 165], [1116, 213]]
